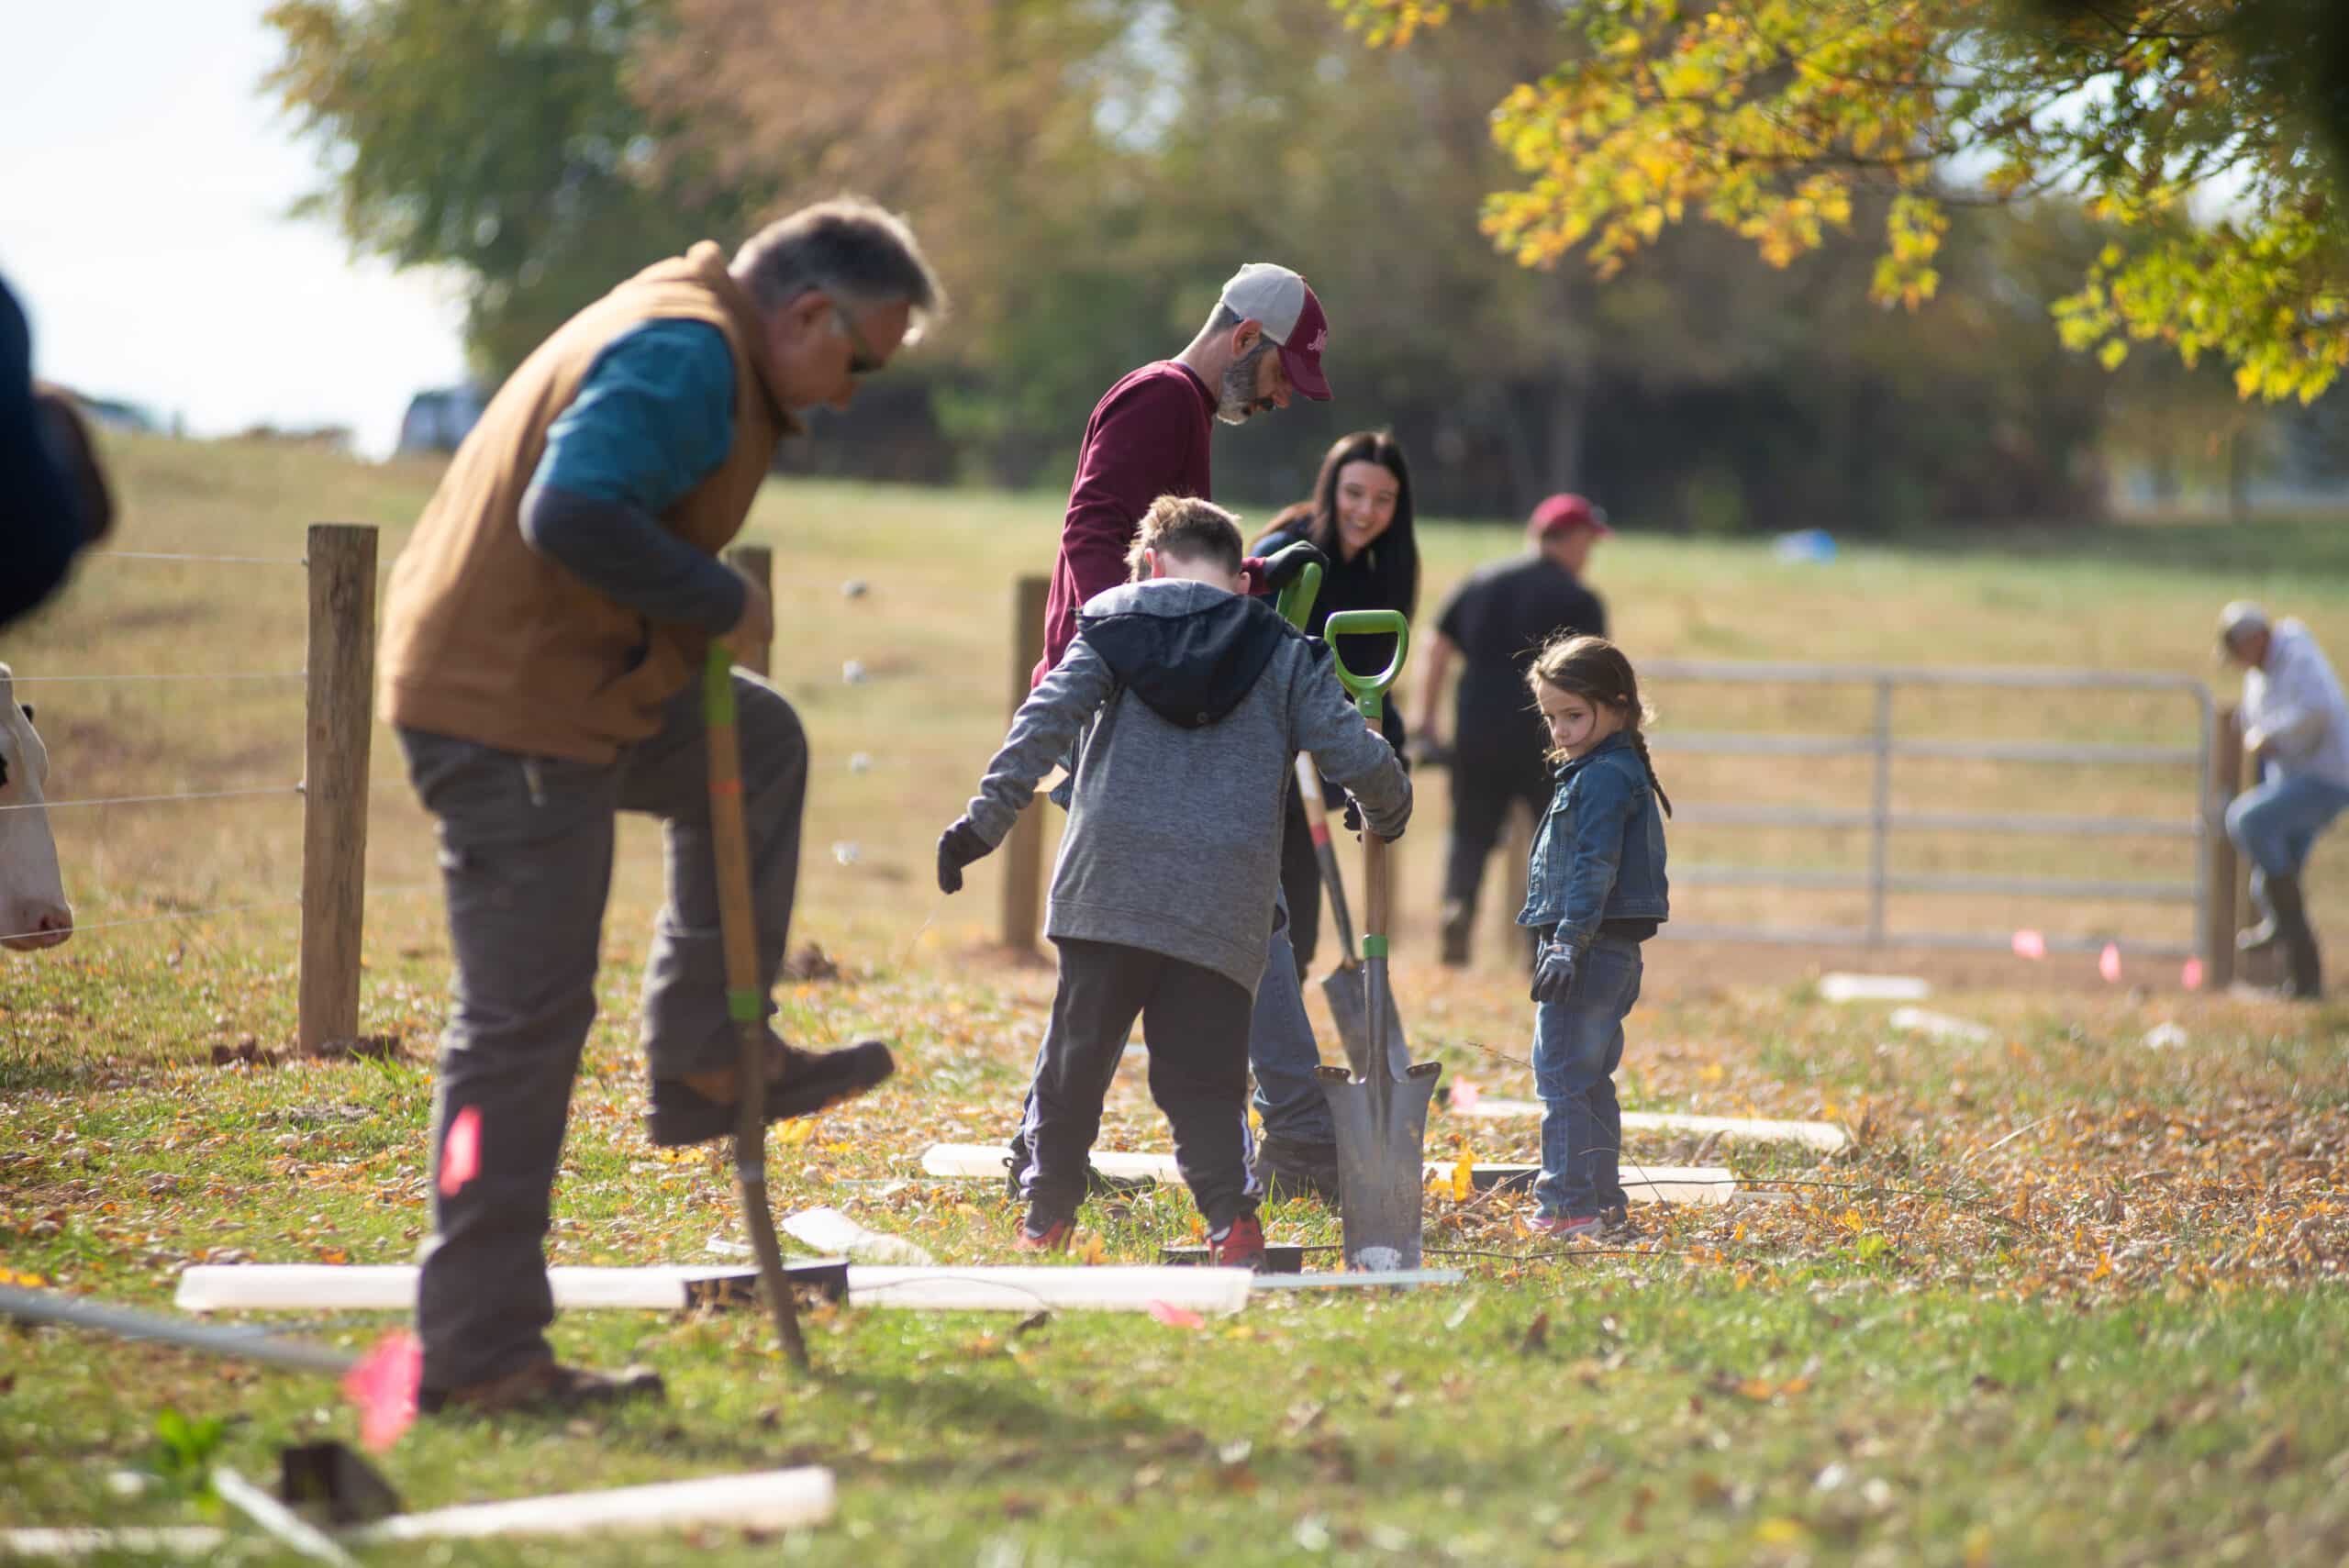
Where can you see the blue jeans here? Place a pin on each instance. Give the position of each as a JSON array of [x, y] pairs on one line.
[[2276, 823], [1281, 1048], [1577, 1045]]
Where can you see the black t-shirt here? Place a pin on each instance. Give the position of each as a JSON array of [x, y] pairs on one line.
[[1498, 619]]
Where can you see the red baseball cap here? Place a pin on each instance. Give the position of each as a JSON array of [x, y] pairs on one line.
[[1292, 317], [1562, 512]]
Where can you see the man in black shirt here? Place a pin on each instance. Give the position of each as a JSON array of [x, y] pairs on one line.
[[1494, 624]]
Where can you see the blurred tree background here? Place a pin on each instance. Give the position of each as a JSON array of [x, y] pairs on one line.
[[1086, 173]]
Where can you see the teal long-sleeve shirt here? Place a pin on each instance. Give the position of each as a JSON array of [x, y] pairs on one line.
[[653, 418]]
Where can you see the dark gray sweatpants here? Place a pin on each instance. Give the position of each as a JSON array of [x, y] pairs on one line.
[[1195, 1023], [526, 855]]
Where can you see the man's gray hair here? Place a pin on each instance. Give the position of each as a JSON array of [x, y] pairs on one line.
[[1223, 319], [854, 251]]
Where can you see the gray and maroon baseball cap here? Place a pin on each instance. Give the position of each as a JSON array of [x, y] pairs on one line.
[[1292, 317]]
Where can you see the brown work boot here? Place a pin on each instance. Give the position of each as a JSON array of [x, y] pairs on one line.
[[543, 1387], [698, 1107]]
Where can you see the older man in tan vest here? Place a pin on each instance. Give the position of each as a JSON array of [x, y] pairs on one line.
[[543, 631]]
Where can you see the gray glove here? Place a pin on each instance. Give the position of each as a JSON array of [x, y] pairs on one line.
[[1554, 971]]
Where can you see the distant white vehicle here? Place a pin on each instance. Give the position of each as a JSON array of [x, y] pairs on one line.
[[439, 419]]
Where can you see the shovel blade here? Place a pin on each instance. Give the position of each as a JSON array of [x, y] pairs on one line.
[[1346, 988], [1382, 1140]]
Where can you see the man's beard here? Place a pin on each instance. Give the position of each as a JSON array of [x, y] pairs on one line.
[[1237, 399]]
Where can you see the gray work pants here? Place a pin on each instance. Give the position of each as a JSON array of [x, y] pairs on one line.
[[526, 855]]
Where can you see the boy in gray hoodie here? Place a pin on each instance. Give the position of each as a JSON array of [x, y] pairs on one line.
[[1188, 701]]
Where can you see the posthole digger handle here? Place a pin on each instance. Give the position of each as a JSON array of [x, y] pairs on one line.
[[1295, 602], [1368, 691], [745, 998]]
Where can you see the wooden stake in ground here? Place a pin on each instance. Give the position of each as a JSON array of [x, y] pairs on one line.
[[745, 999]]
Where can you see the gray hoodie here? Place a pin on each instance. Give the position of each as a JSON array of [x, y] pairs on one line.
[[1192, 704]]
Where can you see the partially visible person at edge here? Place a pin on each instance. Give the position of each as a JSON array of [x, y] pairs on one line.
[[1594, 890], [2295, 729], [1492, 627], [53, 496], [544, 634], [1148, 437], [1360, 518]]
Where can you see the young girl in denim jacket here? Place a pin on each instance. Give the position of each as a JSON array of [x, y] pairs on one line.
[[1595, 889]]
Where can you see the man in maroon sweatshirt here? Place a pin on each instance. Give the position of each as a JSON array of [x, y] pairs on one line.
[[1148, 437]]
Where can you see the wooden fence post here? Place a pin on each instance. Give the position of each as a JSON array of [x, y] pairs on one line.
[[755, 561], [2222, 875], [340, 703], [1023, 851]]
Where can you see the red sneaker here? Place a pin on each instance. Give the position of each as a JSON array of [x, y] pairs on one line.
[[1242, 1246], [1566, 1226], [1054, 1237]]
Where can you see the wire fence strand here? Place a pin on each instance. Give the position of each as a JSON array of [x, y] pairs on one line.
[[210, 559], [289, 901], [223, 675], [162, 920], [153, 800]]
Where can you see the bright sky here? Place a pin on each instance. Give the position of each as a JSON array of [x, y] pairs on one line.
[[144, 187]]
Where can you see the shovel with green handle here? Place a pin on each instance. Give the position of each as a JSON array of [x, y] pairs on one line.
[[1381, 1109], [1342, 986], [745, 998]]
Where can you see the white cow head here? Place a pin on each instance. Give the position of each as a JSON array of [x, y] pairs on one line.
[[33, 911]]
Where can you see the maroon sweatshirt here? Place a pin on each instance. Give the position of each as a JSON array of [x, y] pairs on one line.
[[1148, 438]]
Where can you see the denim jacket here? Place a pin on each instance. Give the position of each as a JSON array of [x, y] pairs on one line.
[[1599, 854]]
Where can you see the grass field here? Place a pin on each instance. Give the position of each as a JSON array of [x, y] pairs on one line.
[[2068, 1297]]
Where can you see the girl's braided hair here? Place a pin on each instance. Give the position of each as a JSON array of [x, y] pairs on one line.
[[1595, 670]]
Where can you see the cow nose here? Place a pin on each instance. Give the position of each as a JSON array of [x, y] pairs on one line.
[[46, 926]]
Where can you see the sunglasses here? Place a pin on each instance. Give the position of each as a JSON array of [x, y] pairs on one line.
[[863, 361]]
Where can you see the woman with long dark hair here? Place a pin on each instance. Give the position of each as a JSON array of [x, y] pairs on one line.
[[1360, 517]]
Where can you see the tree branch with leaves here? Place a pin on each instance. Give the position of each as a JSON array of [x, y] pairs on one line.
[[1768, 116]]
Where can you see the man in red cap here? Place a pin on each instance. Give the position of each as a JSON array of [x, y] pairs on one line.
[[1261, 346], [1494, 624]]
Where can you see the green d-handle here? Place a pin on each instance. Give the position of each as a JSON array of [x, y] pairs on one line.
[[1295, 601], [1368, 690]]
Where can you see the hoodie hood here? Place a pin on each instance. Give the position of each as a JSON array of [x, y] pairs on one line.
[[1191, 651]]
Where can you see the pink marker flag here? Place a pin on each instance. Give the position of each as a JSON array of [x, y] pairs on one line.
[[2030, 944], [383, 1385], [1175, 1317], [1464, 1094], [2108, 963], [461, 1155], [2191, 975]]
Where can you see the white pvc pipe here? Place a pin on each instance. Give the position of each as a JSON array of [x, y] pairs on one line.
[[830, 1231], [1014, 1288], [775, 1499], [1941, 1026], [1644, 1183], [1822, 1135], [267, 1287], [1873, 988], [1357, 1280], [174, 1540], [391, 1287]]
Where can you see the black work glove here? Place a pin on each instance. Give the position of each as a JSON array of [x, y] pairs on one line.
[[958, 847], [1282, 566], [1554, 971], [1354, 822]]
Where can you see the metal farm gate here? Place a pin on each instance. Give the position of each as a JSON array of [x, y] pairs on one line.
[[2201, 815]]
